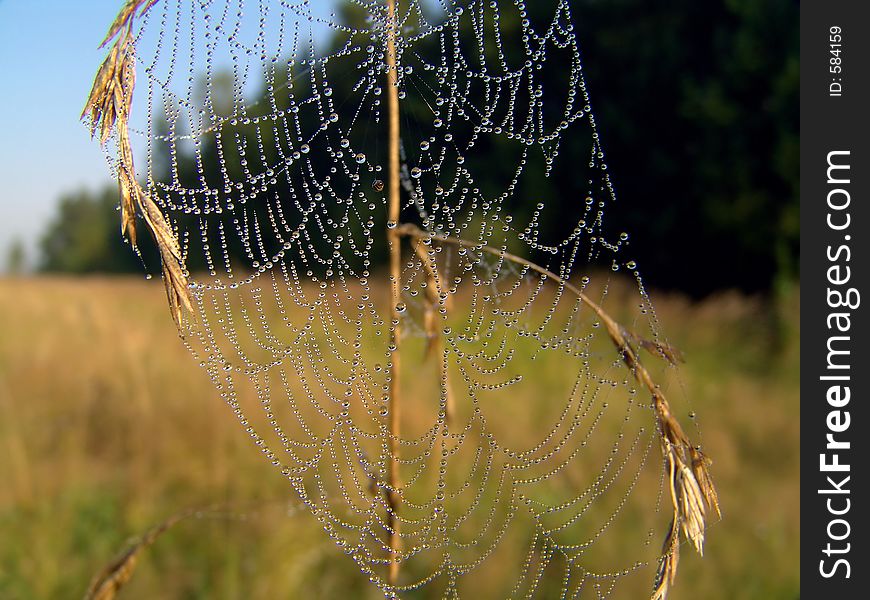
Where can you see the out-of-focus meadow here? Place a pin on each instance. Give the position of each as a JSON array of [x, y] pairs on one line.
[[108, 426]]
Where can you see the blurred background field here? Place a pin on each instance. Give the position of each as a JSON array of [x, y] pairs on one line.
[[108, 427]]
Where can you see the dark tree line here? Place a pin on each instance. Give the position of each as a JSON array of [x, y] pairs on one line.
[[85, 237], [697, 105]]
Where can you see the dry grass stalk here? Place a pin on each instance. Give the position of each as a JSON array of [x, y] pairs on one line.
[[692, 490], [108, 108], [395, 243], [700, 469], [435, 341], [118, 573]]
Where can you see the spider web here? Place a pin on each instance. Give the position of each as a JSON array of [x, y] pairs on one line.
[[529, 458]]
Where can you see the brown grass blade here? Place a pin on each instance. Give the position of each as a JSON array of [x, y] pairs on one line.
[[108, 108], [175, 282], [109, 101], [656, 348], [433, 294], [125, 17], [692, 490], [174, 276], [102, 81], [119, 571], [667, 570], [431, 322], [126, 191], [692, 511]]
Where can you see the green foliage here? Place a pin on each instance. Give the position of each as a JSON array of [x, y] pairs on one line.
[[698, 106], [16, 258]]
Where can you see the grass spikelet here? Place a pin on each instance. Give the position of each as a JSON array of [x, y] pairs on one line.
[[125, 17], [435, 342], [117, 574], [656, 348], [108, 109], [700, 468], [692, 508]]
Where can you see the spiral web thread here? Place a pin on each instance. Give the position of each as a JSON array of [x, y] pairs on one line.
[[537, 456]]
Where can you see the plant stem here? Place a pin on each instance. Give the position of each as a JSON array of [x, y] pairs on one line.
[[394, 240]]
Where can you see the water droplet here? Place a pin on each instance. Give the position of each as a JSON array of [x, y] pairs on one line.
[[378, 185], [360, 158]]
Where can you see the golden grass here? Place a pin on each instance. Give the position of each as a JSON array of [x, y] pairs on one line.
[[102, 437], [108, 109]]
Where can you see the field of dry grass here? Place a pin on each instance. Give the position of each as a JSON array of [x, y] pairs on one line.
[[107, 427]]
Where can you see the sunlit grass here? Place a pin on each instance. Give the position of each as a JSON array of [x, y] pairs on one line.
[[107, 426]]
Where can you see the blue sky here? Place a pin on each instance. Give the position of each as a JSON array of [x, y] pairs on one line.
[[48, 58]]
